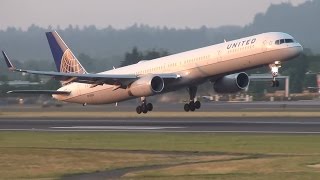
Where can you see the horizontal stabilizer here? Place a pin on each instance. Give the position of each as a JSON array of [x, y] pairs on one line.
[[313, 87], [39, 92]]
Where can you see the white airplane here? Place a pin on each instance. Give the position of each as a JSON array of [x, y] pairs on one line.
[[221, 64]]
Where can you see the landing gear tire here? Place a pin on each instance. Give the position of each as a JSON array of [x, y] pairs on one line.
[[197, 104], [144, 108], [138, 109], [192, 106], [149, 107], [186, 107], [275, 83]]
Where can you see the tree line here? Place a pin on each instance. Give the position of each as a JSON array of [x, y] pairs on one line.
[[111, 43]]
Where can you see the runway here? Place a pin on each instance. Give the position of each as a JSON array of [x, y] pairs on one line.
[[304, 106], [168, 125]]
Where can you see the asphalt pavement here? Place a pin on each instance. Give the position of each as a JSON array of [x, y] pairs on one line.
[[172, 125]]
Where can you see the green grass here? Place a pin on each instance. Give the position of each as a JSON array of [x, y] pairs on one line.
[[228, 156], [292, 144]]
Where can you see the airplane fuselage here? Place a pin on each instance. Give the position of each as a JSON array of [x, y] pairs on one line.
[[194, 67]]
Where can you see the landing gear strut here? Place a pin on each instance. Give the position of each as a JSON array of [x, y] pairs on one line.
[[192, 105], [144, 107], [275, 72]]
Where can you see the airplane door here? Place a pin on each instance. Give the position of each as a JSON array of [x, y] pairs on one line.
[[79, 87], [264, 45], [219, 56], [267, 44]]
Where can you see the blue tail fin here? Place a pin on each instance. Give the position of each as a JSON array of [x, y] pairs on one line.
[[63, 57]]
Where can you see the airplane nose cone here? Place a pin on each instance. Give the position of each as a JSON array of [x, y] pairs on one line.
[[294, 51], [298, 49]]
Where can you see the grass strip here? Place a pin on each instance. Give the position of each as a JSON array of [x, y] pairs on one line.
[[52, 155]]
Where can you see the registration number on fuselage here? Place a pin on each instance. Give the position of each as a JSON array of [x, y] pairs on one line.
[[90, 95]]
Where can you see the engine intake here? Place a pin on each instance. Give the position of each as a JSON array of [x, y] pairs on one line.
[[231, 83], [146, 86]]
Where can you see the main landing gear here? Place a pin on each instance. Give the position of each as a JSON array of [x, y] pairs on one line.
[[144, 107], [192, 105], [275, 72]]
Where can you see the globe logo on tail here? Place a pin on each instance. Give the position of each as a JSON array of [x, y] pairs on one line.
[[69, 64]]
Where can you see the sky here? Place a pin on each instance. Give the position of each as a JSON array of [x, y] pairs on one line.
[[124, 13]]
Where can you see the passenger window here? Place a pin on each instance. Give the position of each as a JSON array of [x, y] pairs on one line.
[[277, 42], [281, 41]]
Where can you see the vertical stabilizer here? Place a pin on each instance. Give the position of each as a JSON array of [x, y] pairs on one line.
[[63, 57]]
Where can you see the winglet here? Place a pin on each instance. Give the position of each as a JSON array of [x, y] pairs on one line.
[[8, 62]]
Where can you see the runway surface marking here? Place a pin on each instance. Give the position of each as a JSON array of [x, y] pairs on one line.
[[117, 127], [176, 125], [162, 131]]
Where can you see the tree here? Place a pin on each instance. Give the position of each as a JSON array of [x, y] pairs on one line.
[[132, 57], [87, 62], [52, 84], [135, 56], [296, 69], [4, 87], [153, 54]]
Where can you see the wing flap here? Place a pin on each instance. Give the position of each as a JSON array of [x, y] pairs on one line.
[[86, 78], [39, 92]]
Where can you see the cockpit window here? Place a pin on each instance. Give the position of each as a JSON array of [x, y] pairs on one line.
[[281, 41], [289, 40]]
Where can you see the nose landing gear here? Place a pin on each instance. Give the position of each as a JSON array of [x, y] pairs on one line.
[[275, 72]]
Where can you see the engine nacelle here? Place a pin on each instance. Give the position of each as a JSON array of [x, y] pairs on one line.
[[146, 86], [232, 83]]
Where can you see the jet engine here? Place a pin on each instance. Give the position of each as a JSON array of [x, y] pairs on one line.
[[231, 83], [146, 86]]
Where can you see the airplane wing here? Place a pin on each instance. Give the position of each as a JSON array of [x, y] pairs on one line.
[[50, 92], [96, 79]]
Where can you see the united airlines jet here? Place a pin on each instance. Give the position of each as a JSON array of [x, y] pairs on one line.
[[222, 64]]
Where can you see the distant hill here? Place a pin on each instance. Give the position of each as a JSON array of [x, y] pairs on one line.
[[300, 21]]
